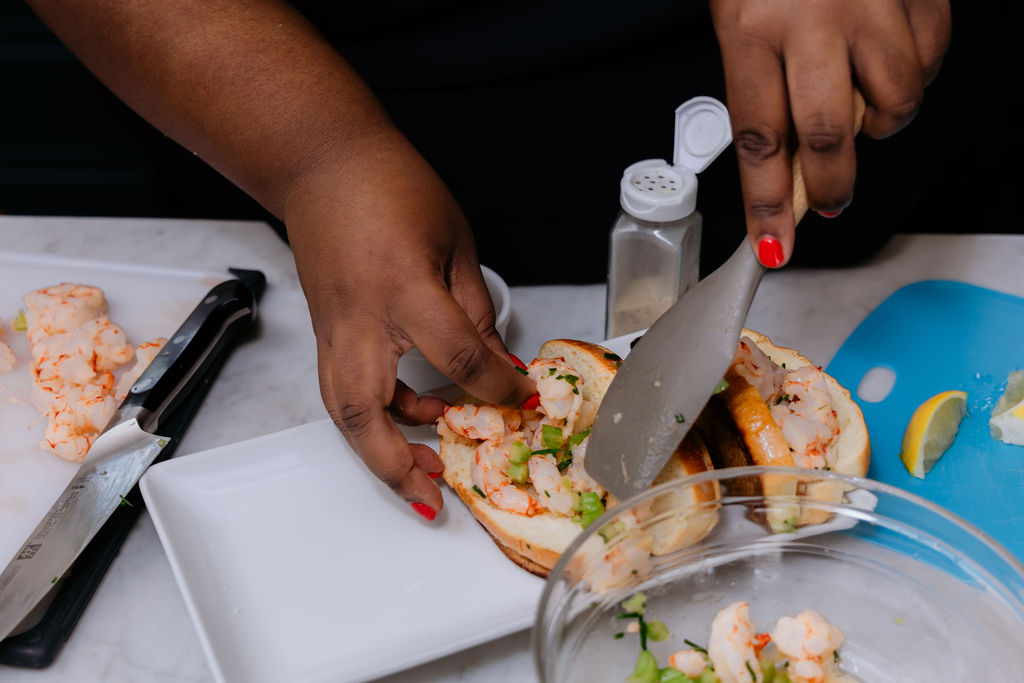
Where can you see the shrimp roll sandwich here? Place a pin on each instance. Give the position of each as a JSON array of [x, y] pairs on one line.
[[778, 408], [520, 469]]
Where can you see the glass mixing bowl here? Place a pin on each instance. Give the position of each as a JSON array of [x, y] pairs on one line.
[[918, 593]]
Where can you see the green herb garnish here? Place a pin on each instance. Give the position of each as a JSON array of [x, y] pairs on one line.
[[679, 418], [722, 385], [125, 502], [695, 646], [478, 491], [522, 370], [19, 323]]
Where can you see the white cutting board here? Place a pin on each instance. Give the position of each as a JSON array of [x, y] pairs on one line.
[[147, 302]]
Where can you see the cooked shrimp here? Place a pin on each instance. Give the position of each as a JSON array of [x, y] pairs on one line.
[[475, 422], [62, 308], [145, 353], [731, 646], [690, 662], [627, 559], [552, 487], [810, 640], [804, 412], [489, 473], [7, 359], [559, 387], [77, 416], [62, 360], [110, 345], [577, 474], [754, 365]]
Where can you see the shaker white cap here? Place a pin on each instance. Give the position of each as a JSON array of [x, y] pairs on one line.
[[656, 191]]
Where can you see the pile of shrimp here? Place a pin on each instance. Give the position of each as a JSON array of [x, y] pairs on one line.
[[75, 350], [799, 402], [554, 427], [804, 645], [7, 359]]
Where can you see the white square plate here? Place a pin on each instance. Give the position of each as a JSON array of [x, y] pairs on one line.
[[296, 564]]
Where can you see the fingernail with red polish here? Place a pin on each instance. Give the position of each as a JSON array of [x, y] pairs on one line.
[[425, 510], [769, 252], [830, 214], [434, 475]]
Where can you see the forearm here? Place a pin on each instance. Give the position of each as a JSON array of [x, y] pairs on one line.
[[249, 86]]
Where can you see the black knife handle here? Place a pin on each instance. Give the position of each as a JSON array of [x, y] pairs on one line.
[[183, 361]]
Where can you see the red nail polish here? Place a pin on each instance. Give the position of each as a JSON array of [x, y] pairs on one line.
[[425, 510], [769, 252], [434, 475], [830, 214], [515, 360], [531, 403]]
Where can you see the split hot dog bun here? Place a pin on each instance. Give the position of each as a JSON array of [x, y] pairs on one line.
[[778, 408], [534, 536]]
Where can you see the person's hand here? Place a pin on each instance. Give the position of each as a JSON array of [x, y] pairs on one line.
[[387, 262], [790, 70]]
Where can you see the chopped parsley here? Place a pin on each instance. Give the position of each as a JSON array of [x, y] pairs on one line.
[[125, 502], [679, 418], [695, 646], [478, 491]]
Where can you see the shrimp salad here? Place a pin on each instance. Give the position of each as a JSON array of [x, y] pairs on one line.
[[529, 460], [799, 649], [799, 402], [75, 352]]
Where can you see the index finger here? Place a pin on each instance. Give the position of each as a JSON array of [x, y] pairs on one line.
[[358, 393], [759, 112]]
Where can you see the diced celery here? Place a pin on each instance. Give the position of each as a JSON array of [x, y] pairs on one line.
[[611, 530], [551, 436], [518, 453], [635, 603], [591, 508], [646, 669], [519, 472], [708, 676], [768, 672], [670, 675], [656, 630]]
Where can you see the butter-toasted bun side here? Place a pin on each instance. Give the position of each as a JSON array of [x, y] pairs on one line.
[[536, 541], [740, 430]]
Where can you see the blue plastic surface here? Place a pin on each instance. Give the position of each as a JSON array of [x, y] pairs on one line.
[[938, 335]]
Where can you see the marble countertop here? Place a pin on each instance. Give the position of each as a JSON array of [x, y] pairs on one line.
[[136, 627]]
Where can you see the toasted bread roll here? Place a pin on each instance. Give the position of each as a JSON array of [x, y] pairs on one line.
[[535, 539], [739, 424]]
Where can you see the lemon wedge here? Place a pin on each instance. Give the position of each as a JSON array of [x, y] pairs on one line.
[[1007, 421], [931, 430]]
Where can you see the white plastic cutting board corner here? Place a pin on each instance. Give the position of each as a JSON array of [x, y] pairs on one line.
[[147, 302], [296, 564]]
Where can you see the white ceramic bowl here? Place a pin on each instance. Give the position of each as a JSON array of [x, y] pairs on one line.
[[418, 373], [919, 594]]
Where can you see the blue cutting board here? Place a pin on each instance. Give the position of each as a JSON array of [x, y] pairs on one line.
[[938, 335]]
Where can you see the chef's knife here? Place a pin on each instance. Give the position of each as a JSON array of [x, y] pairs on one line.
[[128, 445], [667, 378]]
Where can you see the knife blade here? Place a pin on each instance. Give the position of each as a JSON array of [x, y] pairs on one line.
[[665, 381], [119, 456]]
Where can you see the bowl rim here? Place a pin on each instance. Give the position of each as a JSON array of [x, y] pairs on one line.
[[1014, 564], [491, 277]]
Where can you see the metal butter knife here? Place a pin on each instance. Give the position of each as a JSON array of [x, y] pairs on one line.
[[668, 377], [128, 445]]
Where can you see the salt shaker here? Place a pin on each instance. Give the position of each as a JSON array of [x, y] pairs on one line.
[[654, 252]]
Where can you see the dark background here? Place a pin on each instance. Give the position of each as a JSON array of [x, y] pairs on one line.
[[530, 111]]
